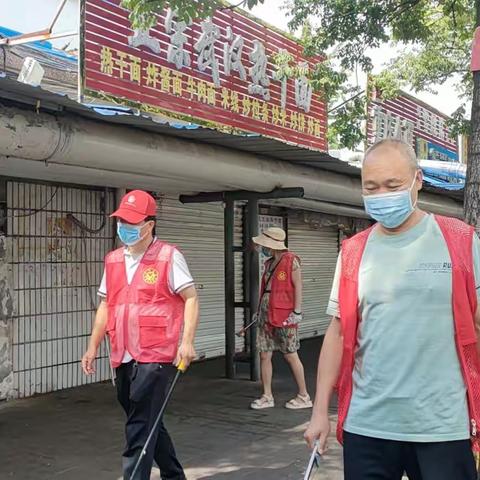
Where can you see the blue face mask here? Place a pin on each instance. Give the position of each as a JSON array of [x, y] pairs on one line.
[[266, 251], [390, 209], [128, 234]]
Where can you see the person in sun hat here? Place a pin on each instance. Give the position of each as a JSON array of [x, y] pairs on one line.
[[148, 298], [279, 313]]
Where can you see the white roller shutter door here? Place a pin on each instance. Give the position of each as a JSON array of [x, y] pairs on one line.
[[197, 229], [318, 250]]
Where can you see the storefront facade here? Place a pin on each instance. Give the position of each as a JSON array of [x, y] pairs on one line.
[[226, 146]]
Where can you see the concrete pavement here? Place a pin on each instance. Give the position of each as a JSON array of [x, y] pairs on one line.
[[78, 434]]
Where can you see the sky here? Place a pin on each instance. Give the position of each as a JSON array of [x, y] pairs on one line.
[[444, 100], [16, 14]]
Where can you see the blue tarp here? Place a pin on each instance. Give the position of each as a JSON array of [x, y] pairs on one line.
[[447, 175], [43, 46], [437, 172], [440, 183]]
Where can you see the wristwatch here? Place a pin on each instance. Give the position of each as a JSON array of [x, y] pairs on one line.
[[297, 313]]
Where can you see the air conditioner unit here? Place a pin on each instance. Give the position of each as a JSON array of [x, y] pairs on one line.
[[32, 72]]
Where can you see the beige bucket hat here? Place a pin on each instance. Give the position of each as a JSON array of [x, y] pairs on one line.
[[273, 238]]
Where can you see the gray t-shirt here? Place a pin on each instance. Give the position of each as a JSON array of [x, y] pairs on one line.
[[408, 384]]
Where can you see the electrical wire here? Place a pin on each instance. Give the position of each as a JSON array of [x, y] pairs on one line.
[[346, 101], [37, 210], [83, 227]]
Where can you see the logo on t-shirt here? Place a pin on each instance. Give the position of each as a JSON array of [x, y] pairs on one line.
[[432, 267], [150, 276]]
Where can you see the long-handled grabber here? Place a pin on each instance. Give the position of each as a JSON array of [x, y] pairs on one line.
[[181, 368], [313, 464], [242, 331]]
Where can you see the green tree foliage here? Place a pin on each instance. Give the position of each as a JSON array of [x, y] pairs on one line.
[[433, 40], [143, 11]]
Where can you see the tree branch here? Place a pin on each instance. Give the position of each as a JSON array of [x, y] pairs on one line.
[[403, 7], [454, 20], [232, 7]]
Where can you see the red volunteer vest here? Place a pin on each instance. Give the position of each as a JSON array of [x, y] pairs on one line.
[[282, 297], [458, 237], [144, 317]]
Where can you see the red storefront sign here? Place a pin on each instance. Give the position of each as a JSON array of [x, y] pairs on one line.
[[412, 120], [217, 72]]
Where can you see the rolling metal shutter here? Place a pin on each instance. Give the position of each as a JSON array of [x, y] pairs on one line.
[[318, 250], [197, 229]]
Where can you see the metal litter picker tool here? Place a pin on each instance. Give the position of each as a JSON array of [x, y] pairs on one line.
[[241, 332], [312, 472], [180, 369]]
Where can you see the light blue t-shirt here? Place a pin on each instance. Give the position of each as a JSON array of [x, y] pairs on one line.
[[408, 384]]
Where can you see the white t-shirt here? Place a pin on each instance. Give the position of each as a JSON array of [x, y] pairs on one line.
[[179, 277]]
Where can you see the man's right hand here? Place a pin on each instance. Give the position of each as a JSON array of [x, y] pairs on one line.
[[88, 361], [318, 429]]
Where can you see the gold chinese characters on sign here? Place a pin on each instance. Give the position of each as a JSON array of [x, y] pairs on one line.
[[128, 67]]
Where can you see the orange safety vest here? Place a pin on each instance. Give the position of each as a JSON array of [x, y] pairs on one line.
[[282, 291], [458, 237], [144, 317]]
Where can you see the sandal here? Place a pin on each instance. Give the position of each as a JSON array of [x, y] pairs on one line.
[[299, 402], [263, 402]]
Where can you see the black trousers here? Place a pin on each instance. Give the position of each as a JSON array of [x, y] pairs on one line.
[[141, 390], [368, 458]]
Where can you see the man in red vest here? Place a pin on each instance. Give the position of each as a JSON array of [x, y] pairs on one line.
[[148, 300], [402, 347]]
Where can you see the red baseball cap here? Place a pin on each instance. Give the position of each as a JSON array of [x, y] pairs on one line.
[[135, 207]]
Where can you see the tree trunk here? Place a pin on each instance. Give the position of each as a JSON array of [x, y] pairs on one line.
[[472, 186]]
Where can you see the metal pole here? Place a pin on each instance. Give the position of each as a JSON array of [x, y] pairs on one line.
[[246, 244], [252, 221], [60, 8], [229, 290]]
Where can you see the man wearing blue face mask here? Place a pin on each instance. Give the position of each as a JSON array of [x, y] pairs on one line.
[[149, 303], [402, 348]]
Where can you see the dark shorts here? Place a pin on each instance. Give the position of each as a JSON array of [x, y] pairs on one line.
[[368, 458]]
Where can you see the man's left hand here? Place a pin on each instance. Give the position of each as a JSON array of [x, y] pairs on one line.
[[186, 354]]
